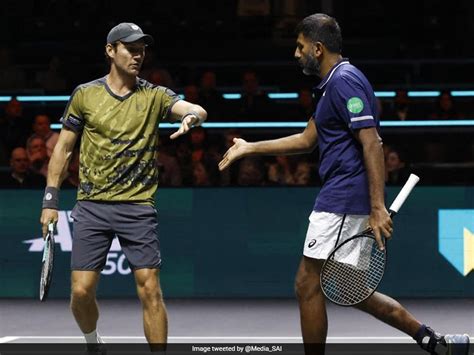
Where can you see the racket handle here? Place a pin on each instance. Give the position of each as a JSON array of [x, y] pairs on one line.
[[51, 226], [403, 194]]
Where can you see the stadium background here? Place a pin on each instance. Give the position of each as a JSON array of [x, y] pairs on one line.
[[240, 234]]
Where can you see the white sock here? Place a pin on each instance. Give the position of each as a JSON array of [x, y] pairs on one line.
[[93, 337]]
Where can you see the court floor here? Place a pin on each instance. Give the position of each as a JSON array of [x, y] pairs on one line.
[[222, 321]]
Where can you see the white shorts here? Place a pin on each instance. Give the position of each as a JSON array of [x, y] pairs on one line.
[[326, 230]]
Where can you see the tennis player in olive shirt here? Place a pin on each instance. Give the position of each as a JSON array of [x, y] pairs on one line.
[[117, 117]]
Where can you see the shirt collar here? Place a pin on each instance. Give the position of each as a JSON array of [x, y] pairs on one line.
[[328, 76]]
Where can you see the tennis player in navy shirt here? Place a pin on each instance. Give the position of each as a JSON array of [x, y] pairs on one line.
[[345, 126], [346, 104]]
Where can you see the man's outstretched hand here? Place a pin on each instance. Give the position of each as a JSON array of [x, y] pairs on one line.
[[240, 149]]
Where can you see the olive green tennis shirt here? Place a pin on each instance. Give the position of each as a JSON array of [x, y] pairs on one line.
[[119, 139]]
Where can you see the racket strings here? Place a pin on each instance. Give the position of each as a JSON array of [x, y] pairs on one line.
[[349, 282], [341, 292], [47, 267]]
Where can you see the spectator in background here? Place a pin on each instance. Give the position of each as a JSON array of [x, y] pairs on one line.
[[200, 152], [386, 149], [169, 169], [162, 77], [37, 155], [306, 105], [251, 172], [281, 171], [201, 176], [401, 109], [153, 73], [72, 179], [254, 104], [209, 97], [20, 175], [42, 129], [213, 154], [302, 175], [198, 140], [445, 108], [12, 78], [289, 170], [191, 93], [14, 128], [52, 80], [183, 155], [396, 170]]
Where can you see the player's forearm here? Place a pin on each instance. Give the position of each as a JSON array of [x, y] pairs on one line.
[[295, 144], [58, 166], [183, 108], [374, 164]]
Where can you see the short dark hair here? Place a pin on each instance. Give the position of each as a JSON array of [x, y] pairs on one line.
[[322, 28]]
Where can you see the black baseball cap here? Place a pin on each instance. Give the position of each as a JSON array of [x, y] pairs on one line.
[[127, 32]]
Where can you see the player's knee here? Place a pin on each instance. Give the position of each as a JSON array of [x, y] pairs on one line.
[[81, 294], [306, 287], [149, 291]]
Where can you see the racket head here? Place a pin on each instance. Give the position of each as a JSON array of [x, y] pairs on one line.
[[47, 265], [350, 280]]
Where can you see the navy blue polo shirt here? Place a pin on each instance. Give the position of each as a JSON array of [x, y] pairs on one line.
[[345, 103]]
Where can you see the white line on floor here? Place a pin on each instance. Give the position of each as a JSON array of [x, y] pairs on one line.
[[7, 339], [229, 339], [10, 338]]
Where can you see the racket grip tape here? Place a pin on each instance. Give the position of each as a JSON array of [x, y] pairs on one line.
[[403, 194]]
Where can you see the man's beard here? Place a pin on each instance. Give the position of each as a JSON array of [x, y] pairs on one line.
[[311, 67]]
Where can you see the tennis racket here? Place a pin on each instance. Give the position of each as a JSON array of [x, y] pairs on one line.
[[47, 263], [348, 277]]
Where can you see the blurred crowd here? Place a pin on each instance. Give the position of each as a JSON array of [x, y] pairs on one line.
[[250, 56], [25, 148], [190, 161], [27, 142], [444, 107]]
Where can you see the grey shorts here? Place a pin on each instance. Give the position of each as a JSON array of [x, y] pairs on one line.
[[97, 223]]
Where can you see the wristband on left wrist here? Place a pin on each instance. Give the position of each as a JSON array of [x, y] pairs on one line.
[[193, 113], [51, 198]]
